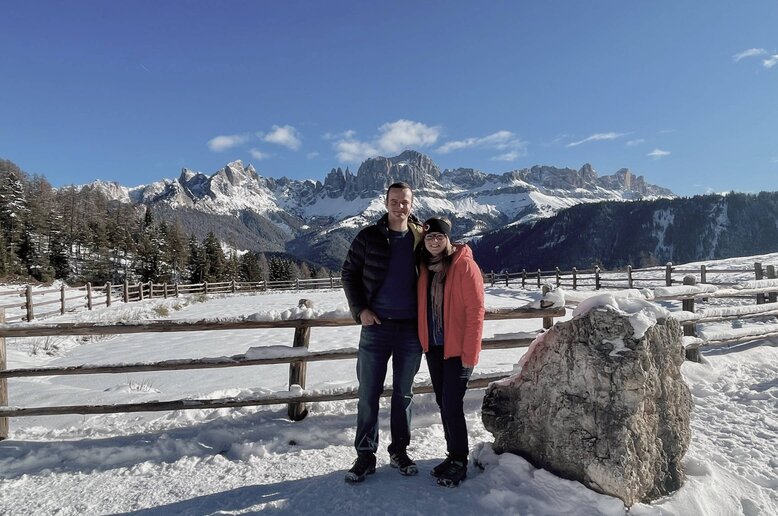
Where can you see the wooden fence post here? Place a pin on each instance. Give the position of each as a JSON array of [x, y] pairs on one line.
[[108, 293], [126, 293], [596, 277], [332, 281], [176, 289], [523, 278], [3, 382], [772, 296], [205, 288], [140, 291], [759, 274], [491, 274], [297, 370], [687, 305], [538, 278], [151, 290], [164, 290], [88, 295], [691, 352], [548, 322], [703, 274], [62, 299], [558, 277], [507, 278], [575, 278], [28, 295], [669, 274], [234, 289]]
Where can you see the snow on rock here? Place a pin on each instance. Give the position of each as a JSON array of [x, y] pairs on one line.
[[642, 314]]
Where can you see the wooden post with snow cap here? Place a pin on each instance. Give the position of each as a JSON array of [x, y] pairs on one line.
[[596, 277], [88, 296], [630, 282], [758, 275], [548, 322], [772, 296], [62, 299], [669, 274], [297, 370], [108, 288], [3, 382]]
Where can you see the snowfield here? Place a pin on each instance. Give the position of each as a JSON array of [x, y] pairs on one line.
[[250, 460]]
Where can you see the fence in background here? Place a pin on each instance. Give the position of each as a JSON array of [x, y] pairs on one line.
[[89, 296]]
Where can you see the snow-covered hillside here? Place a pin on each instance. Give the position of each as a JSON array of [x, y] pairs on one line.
[[249, 460]]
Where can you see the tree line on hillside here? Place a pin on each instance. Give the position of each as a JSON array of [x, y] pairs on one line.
[[79, 235]]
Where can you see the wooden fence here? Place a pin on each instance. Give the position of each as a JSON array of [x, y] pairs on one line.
[[90, 296], [298, 357], [628, 277]]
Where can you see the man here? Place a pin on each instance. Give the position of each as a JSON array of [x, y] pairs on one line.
[[379, 278]]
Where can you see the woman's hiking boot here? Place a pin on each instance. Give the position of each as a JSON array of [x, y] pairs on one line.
[[400, 460], [440, 468], [363, 466], [453, 474]]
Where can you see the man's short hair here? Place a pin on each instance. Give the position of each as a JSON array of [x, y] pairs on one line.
[[400, 185]]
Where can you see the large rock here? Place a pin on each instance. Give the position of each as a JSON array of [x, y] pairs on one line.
[[599, 399]]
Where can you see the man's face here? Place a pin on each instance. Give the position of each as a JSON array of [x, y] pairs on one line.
[[398, 203]]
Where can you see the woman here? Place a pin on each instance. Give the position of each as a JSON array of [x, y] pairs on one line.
[[451, 319]]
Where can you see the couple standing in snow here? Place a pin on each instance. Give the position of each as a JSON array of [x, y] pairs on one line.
[[412, 291]]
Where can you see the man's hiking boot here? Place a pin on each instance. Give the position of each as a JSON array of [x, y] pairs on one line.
[[363, 466], [400, 460], [453, 474], [440, 468]]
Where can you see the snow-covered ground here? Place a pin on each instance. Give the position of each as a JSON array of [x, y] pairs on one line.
[[248, 460]]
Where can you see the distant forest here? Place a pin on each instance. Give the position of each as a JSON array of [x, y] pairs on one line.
[[81, 236]]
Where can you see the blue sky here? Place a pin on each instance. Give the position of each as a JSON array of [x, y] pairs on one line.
[[684, 93]]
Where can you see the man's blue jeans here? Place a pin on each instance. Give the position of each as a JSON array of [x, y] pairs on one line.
[[398, 340]]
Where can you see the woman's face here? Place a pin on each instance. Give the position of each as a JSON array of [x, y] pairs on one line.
[[435, 243]]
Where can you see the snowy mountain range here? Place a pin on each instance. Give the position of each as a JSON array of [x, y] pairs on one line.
[[317, 220]]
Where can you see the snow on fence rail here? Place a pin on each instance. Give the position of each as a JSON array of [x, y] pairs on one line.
[[297, 356]]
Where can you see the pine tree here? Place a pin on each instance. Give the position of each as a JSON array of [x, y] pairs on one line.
[[13, 215], [214, 258]]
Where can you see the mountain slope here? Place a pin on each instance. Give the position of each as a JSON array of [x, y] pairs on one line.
[[614, 234]]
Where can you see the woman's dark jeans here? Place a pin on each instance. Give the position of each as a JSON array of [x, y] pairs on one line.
[[398, 340], [449, 379]]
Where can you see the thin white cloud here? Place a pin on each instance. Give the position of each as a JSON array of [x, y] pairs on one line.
[[770, 61], [501, 141], [633, 143], [751, 52], [508, 156], [392, 138], [403, 134], [258, 154], [312, 155], [354, 151], [774, 160], [285, 135], [597, 137], [658, 154], [222, 143]]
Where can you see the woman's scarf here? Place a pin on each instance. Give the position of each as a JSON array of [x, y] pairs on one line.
[[439, 267]]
